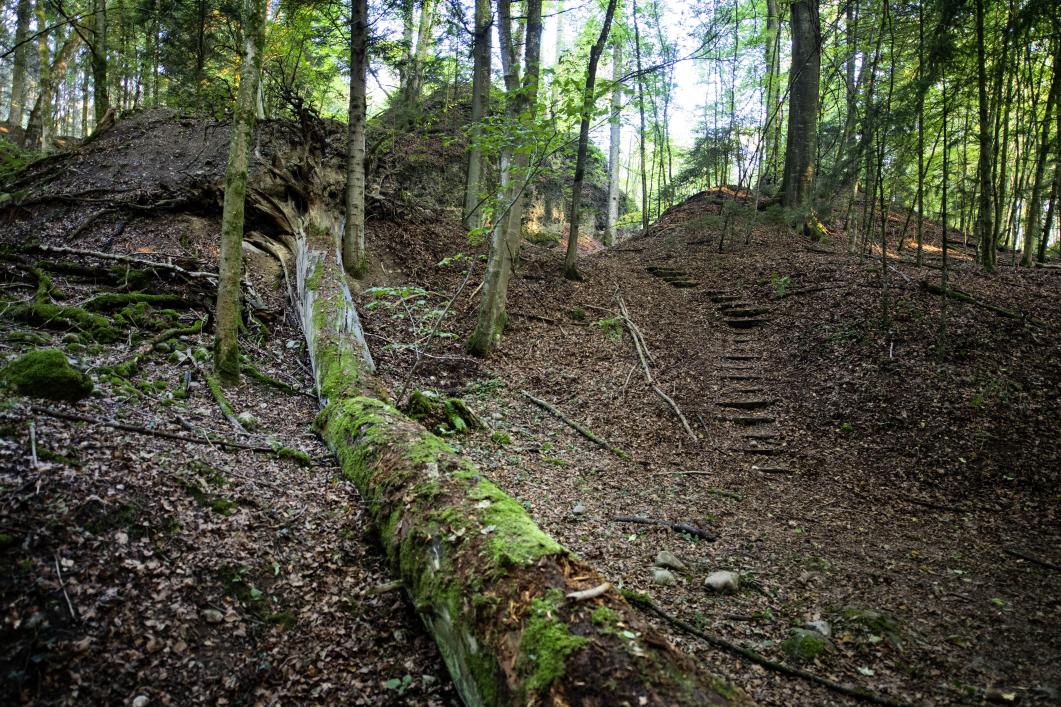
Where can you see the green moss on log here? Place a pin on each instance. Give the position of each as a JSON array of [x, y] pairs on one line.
[[113, 301], [62, 318], [546, 642], [45, 373]]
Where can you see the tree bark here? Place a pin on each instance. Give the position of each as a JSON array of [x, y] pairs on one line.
[[767, 175], [497, 594], [41, 118], [20, 68], [1035, 205], [614, 138], [355, 259], [641, 113], [985, 226], [227, 315], [481, 56], [520, 108], [588, 101], [802, 145], [1044, 241], [98, 50]]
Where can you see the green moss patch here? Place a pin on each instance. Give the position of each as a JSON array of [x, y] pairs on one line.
[[514, 538], [45, 373], [546, 642], [803, 646], [114, 301], [61, 318]]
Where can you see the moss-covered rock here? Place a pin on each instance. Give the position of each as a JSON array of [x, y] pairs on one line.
[[803, 646], [45, 373], [54, 316]]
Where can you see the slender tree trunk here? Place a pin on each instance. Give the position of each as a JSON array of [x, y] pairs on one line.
[[641, 113], [802, 144], [98, 56], [588, 96], [520, 107], [1031, 230], [920, 134], [614, 137], [20, 69], [481, 55], [226, 344], [40, 119], [985, 226], [767, 174], [420, 55], [355, 259]]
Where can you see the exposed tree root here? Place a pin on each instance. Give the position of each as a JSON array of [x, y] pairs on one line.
[[686, 528]]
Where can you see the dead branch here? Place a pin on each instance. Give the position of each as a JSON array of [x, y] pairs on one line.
[[644, 356], [591, 593], [582, 430], [206, 439], [142, 262], [962, 296], [644, 602], [1031, 558], [686, 528]]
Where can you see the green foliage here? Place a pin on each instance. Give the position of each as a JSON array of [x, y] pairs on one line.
[[45, 373], [612, 328], [779, 284]]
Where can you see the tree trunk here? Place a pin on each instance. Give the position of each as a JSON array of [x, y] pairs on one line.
[[767, 174], [1035, 206], [20, 69], [481, 55], [420, 55], [985, 227], [491, 587], [614, 137], [520, 108], [588, 100], [802, 144], [41, 118], [355, 259], [227, 319], [98, 49], [641, 113]]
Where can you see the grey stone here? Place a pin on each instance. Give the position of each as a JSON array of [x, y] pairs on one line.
[[249, 421], [579, 509], [819, 625], [723, 582], [213, 616], [666, 558], [664, 577]]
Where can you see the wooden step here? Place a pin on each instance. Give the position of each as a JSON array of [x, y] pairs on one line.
[[739, 377], [762, 451], [748, 420], [746, 404], [740, 357], [726, 306], [746, 323], [748, 313], [683, 284], [772, 469]]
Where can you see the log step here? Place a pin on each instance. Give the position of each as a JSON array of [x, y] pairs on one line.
[[748, 313], [745, 391], [733, 377], [684, 284], [660, 271], [722, 299], [745, 323], [763, 451], [746, 404], [726, 306], [740, 357], [748, 420]]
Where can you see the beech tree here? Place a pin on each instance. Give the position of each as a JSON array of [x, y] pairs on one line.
[[802, 143], [355, 260], [227, 312]]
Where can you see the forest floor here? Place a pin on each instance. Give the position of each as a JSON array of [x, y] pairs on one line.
[[883, 473]]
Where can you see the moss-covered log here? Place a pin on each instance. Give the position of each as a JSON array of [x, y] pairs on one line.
[[492, 588]]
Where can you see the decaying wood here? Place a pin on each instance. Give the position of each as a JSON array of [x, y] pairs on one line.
[[452, 537], [686, 528], [578, 427], [1032, 558], [644, 356], [961, 296], [591, 593], [141, 262]]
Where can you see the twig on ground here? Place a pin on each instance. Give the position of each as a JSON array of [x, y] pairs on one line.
[[644, 356], [686, 528], [33, 443], [62, 585], [584, 431], [644, 602]]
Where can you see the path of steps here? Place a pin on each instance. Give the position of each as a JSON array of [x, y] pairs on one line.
[[743, 402], [672, 276]]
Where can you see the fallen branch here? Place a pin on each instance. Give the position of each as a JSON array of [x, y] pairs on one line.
[[676, 527], [206, 439], [960, 296], [644, 356], [142, 262], [1031, 558], [582, 430], [644, 602], [591, 593]]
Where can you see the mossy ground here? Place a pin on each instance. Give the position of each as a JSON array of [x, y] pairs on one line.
[[46, 373]]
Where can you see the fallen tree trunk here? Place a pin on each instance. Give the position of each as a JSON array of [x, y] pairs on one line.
[[492, 588]]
